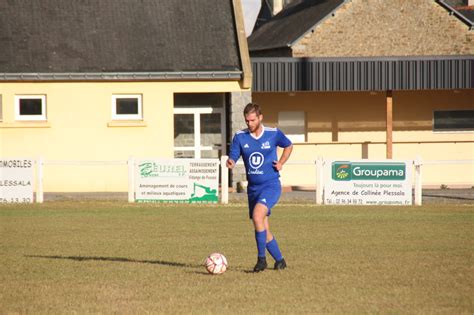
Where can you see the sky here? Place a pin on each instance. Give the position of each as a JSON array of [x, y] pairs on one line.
[[251, 9]]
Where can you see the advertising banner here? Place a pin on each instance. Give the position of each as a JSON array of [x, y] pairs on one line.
[[364, 182], [177, 180], [16, 180]]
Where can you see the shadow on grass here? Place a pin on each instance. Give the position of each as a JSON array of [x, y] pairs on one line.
[[237, 269], [118, 259]]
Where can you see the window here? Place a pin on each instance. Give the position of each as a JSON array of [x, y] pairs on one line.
[[30, 107], [453, 120], [198, 132], [199, 125], [293, 124], [127, 107]]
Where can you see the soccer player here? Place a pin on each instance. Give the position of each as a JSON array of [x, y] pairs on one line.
[[258, 147]]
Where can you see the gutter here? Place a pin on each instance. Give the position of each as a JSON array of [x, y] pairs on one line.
[[123, 76], [362, 59], [452, 11]]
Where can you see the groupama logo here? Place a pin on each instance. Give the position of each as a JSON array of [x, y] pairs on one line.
[[341, 172], [346, 171]]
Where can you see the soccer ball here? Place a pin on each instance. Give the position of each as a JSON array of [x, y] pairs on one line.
[[216, 264]]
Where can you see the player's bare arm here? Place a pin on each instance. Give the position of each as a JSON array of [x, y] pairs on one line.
[[284, 157]]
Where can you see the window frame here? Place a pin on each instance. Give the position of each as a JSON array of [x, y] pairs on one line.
[[298, 138], [138, 116], [449, 130], [20, 117], [197, 111]]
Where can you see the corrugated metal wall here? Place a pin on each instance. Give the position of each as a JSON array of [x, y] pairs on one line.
[[362, 74]]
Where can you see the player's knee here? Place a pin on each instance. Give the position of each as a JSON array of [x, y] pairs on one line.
[[258, 218]]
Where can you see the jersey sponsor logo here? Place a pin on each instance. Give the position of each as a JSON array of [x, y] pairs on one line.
[[266, 145], [246, 146], [256, 160]]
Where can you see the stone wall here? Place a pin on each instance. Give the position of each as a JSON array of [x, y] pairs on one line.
[[238, 101], [387, 28]]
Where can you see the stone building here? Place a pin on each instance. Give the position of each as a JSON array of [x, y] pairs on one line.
[[370, 79]]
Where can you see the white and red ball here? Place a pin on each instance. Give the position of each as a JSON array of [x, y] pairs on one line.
[[216, 264]]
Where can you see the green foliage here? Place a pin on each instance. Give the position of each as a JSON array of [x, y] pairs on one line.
[[105, 257]]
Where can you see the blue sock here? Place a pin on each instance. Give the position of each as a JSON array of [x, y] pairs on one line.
[[261, 238], [274, 250]]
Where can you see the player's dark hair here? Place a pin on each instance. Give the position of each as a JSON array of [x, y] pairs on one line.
[[252, 108]]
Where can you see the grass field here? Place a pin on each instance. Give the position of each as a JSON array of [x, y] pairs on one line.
[[113, 257]]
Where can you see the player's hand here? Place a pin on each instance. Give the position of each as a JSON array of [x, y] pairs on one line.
[[277, 165], [230, 163]]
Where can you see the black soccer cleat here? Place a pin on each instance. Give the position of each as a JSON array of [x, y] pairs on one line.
[[280, 265], [261, 264]]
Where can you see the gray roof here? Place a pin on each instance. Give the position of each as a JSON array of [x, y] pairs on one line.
[[290, 24], [363, 74], [117, 36], [460, 10], [468, 13]]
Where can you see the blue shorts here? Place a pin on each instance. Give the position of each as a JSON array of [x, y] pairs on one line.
[[267, 194]]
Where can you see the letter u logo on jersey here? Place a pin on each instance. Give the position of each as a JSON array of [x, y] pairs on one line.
[[256, 160]]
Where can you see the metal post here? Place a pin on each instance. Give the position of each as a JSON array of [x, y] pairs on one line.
[[319, 181], [131, 179], [389, 124], [224, 180], [39, 180], [418, 181]]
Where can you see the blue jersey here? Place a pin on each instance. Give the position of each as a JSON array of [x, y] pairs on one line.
[[259, 153]]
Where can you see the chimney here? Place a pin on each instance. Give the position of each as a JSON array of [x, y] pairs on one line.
[[278, 6]]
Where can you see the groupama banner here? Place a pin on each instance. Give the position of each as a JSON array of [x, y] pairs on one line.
[[365, 182]]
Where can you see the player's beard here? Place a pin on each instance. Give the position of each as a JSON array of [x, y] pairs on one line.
[[255, 127]]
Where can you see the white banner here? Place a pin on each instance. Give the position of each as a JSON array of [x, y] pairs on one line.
[[177, 180], [16, 180], [366, 182]]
